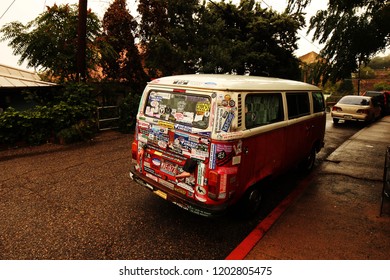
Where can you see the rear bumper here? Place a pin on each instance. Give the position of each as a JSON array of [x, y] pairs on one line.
[[350, 117], [199, 208]]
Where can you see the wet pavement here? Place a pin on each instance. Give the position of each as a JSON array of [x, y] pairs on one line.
[[78, 207], [55, 202], [336, 213]]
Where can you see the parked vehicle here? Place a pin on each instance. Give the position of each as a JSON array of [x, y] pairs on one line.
[[356, 108], [383, 97], [207, 142]]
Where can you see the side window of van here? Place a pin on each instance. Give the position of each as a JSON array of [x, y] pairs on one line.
[[298, 104], [318, 102], [262, 109]]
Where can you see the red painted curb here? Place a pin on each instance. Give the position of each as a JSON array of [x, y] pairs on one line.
[[243, 249]]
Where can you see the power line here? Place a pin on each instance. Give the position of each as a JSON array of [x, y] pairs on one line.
[[7, 9]]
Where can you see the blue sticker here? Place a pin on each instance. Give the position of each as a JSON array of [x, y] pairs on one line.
[[228, 122], [212, 157]]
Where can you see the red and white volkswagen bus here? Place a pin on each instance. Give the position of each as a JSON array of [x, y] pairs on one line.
[[206, 142]]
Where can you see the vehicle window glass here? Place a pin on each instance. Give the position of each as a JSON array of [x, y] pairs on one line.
[[262, 109], [190, 110], [318, 102], [298, 104], [355, 100]]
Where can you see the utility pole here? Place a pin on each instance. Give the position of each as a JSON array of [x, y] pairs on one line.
[[359, 78], [81, 40]]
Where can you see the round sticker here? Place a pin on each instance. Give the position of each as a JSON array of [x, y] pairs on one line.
[[156, 161], [201, 190]]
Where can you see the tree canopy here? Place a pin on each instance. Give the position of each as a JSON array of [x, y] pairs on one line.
[[119, 32], [380, 62], [174, 36], [249, 39], [218, 37], [352, 31], [50, 40]]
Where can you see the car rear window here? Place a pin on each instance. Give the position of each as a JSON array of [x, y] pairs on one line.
[[355, 101]]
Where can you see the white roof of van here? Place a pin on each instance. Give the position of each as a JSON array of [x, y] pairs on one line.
[[233, 82]]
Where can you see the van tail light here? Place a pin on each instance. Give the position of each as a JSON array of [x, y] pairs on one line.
[[134, 150], [221, 182], [337, 109], [362, 111], [213, 184]]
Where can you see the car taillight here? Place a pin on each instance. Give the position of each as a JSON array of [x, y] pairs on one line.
[[134, 150], [362, 111], [335, 108]]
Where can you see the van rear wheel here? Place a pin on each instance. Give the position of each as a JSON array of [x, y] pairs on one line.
[[308, 164], [252, 201]]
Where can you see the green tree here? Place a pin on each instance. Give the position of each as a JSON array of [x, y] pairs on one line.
[[218, 37], [345, 87], [367, 73], [380, 62], [49, 41], [247, 38], [168, 31], [382, 86], [352, 31], [119, 31]]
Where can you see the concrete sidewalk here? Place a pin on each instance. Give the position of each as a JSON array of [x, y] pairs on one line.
[[336, 214]]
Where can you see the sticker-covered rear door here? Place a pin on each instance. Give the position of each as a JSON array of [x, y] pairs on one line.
[[174, 128]]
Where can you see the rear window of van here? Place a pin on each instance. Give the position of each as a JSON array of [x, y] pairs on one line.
[[187, 109]]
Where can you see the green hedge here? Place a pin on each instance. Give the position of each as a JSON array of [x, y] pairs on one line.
[[69, 118]]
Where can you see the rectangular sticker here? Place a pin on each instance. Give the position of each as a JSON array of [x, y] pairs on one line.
[[228, 122], [212, 156]]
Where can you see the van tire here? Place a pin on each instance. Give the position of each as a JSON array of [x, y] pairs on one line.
[[251, 201], [308, 164]]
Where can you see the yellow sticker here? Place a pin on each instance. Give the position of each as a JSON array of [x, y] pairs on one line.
[[202, 107], [166, 124]]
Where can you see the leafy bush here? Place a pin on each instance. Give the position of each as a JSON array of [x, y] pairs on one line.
[[382, 86], [71, 113], [81, 131], [29, 126]]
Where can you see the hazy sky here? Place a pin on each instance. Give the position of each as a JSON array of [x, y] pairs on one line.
[[27, 10]]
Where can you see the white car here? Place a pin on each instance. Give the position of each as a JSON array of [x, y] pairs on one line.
[[356, 108]]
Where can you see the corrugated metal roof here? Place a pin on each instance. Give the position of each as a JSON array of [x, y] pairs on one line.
[[11, 77]]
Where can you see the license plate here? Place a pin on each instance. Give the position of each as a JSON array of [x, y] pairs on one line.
[[347, 117], [161, 194]]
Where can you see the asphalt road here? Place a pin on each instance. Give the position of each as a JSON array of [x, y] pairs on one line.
[[77, 202]]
